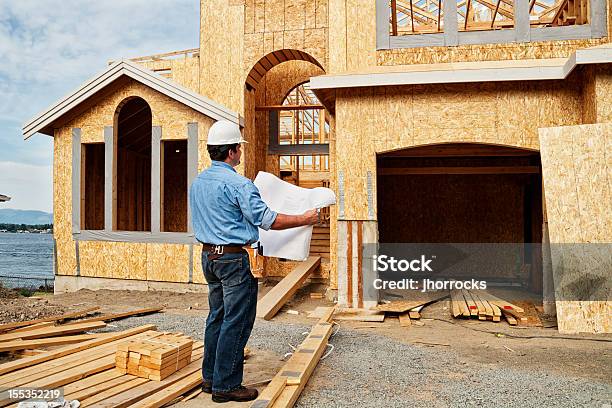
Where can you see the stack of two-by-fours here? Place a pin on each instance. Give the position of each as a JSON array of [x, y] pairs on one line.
[[154, 358]]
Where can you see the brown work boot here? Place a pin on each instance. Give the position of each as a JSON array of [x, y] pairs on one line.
[[240, 394]]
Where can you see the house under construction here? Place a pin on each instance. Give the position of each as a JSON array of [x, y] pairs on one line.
[[491, 118]]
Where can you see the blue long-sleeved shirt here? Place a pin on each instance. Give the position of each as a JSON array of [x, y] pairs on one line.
[[226, 208]]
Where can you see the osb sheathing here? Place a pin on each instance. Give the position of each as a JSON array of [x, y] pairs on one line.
[[163, 262], [272, 90], [577, 172], [221, 52], [603, 92], [375, 120], [184, 71]]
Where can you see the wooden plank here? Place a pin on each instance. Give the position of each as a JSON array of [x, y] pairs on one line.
[[32, 327], [271, 303], [171, 392], [115, 316], [268, 396], [142, 391], [111, 392], [511, 320], [91, 381], [496, 313], [30, 361], [14, 325], [404, 319], [68, 376], [53, 341], [96, 389], [400, 306], [481, 309], [400, 171], [52, 331], [472, 307]]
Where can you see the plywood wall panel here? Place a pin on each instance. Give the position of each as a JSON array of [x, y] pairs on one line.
[[295, 14], [603, 92], [274, 12], [337, 36], [62, 201], [118, 260], [578, 183], [168, 262], [321, 13], [482, 52]]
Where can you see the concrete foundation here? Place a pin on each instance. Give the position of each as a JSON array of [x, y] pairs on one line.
[[64, 284]]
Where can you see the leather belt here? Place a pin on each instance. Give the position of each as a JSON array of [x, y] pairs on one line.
[[223, 249]]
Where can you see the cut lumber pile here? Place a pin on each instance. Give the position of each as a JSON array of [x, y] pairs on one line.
[[285, 388], [156, 357], [86, 370], [401, 306], [484, 306], [271, 303], [43, 333]]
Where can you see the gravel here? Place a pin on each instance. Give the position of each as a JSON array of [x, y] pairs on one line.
[[370, 370]]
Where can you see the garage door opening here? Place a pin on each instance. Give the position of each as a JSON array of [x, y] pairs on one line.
[[465, 193]]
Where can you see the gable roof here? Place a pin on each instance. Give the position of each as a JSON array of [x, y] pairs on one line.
[[43, 122]]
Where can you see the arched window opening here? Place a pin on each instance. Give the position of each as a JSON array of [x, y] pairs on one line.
[[133, 166]]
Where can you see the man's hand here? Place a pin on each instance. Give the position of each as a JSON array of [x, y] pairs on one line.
[[284, 221], [311, 217]]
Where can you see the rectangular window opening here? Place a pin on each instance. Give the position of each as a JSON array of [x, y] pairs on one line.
[[416, 17], [92, 186], [173, 185]]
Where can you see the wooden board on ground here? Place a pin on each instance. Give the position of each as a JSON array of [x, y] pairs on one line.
[[52, 331], [271, 303], [14, 325], [359, 315], [404, 319], [115, 316], [52, 341], [400, 306]]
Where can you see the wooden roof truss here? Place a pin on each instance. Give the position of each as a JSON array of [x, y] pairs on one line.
[[427, 16]]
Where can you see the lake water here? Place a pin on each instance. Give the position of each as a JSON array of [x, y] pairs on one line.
[[26, 259]]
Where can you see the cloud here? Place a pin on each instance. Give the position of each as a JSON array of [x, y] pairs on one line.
[[48, 48], [30, 187]]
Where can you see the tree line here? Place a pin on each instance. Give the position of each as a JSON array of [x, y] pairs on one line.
[[25, 227]]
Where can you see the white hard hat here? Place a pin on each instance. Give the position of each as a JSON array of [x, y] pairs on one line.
[[224, 132]]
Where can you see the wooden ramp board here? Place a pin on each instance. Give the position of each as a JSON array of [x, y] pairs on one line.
[[288, 383], [271, 303]]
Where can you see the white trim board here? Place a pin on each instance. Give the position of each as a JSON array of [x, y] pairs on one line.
[[494, 71], [43, 121]]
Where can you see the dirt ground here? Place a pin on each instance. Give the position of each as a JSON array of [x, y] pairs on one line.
[[472, 341]]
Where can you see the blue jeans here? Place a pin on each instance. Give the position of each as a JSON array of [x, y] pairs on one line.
[[232, 299]]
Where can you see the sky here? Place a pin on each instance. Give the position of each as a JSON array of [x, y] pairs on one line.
[[48, 48]]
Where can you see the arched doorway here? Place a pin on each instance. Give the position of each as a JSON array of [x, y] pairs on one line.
[[133, 124], [465, 193]]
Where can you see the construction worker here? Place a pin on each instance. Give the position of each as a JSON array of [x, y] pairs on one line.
[[227, 211]]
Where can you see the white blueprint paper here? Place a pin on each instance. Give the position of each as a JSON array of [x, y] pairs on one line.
[[286, 198]]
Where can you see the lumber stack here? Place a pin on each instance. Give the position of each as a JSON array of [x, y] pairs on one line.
[[484, 306], [156, 357], [87, 373]]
